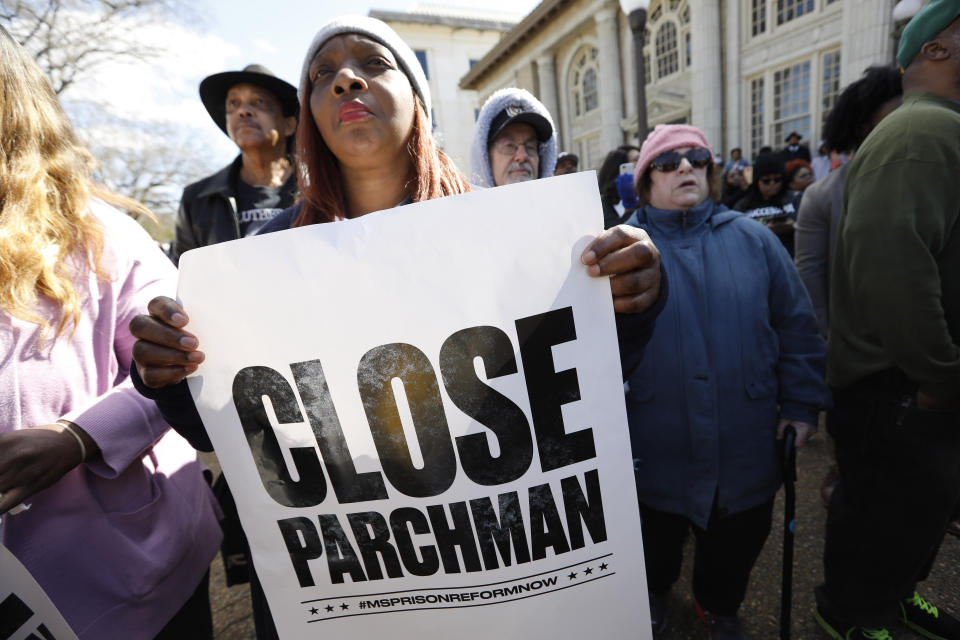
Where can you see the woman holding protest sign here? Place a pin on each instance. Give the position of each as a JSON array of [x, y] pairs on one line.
[[105, 506], [704, 426], [366, 145]]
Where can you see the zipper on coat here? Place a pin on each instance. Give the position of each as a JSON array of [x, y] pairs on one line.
[[683, 221], [236, 220]]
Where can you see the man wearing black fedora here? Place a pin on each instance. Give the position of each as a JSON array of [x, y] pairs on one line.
[[258, 111], [794, 149]]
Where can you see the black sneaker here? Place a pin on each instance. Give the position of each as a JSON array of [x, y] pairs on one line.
[[724, 627], [831, 621], [927, 620], [839, 631], [658, 612]]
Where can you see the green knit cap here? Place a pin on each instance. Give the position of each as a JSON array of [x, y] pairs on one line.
[[931, 20]]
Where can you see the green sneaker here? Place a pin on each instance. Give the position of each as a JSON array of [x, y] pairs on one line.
[[927, 620]]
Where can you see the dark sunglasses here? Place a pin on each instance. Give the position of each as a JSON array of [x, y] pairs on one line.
[[668, 161], [771, 180]]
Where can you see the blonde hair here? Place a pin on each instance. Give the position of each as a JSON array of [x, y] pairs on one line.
[[47, 235]]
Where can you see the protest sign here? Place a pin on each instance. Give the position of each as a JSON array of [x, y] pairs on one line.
[[26, 612], [420, 413]]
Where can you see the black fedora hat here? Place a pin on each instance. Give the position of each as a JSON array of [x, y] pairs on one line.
[[213, 91], [793, 133]]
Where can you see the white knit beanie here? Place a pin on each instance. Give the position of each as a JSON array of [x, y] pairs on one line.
[[382, 33]]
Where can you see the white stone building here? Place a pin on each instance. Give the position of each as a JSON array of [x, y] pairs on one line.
[[747, 72], [448, 41]]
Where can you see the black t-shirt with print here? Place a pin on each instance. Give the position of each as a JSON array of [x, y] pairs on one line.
[[257, 206]]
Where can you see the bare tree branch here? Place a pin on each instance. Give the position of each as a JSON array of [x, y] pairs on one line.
[[70, 38], [151, 165]]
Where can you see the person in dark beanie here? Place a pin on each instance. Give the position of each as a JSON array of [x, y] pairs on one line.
[[768, 200], [258, 111], [894, 354]]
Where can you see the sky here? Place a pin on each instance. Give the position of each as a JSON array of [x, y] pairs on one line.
[[224, 35]]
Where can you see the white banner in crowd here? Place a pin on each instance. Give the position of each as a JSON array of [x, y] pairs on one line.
[[25, 610], [420, 413]]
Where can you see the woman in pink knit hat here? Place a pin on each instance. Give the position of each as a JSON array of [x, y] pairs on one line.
[[705, 425]]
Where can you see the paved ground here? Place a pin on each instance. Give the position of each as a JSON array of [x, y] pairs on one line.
[[760, 612]]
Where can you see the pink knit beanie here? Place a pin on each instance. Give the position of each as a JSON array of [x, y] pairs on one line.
[[665, 137]]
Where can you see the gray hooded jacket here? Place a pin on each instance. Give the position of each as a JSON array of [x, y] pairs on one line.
[[480, 173]]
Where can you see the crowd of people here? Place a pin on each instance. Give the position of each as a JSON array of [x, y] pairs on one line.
[[750, 296]]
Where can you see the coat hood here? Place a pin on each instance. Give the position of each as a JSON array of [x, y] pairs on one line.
[[480, 173]]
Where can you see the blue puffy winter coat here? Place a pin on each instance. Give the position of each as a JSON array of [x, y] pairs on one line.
[[735, 348]]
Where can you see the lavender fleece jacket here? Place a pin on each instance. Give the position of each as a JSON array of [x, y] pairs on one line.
[[119, 543]]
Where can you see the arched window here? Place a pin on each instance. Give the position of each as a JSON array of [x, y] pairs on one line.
[[666, 39], [590, 98], [583, 81], [667, 54]]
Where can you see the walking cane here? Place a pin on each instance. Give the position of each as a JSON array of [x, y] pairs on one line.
[[789, 521]]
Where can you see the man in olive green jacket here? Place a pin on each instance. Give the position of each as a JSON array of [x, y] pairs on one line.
[[894, 359]]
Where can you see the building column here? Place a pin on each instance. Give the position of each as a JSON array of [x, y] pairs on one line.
[[608, 85], [547, 75], [733, 86], [706, 95], [867, 25]]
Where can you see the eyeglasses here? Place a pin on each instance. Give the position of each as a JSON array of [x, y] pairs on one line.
[[771, 180], [509, 148], [668, 161]]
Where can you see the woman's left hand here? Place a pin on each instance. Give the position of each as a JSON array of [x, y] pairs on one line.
[[804, 430], [33, 459], [628, 255]]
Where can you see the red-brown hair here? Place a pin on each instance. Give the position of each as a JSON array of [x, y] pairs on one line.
[[433, 173]]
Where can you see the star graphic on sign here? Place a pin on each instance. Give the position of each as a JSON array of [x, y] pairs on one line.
[[344, 606], [572, 576], [329, 608], [587, 571], [603, 567], [314, 611]]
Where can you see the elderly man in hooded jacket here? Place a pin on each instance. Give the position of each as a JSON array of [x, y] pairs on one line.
[[514, 140]]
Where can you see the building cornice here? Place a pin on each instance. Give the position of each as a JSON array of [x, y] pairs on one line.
[[514, 39], [458, 22]]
